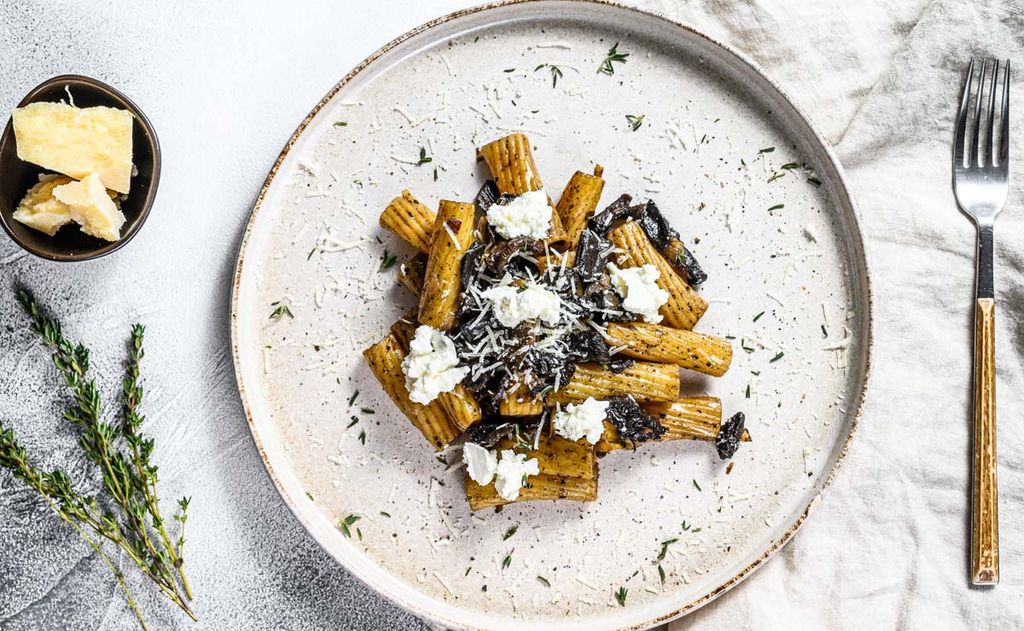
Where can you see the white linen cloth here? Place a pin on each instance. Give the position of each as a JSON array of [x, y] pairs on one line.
[[225, 84]]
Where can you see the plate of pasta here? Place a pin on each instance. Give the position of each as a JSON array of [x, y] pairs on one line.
[[553, 313]]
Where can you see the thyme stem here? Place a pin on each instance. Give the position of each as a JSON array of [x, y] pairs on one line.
[[128, 515]]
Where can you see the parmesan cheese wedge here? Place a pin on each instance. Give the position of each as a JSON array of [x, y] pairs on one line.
[[40, 210], [92, 207], [77, 141]]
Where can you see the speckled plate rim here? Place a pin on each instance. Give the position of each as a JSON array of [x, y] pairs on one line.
[[441, 612]]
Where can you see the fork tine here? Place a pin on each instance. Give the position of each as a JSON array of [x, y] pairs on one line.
[[1004, 131], [990, 128], [975, 148], [961, 119]]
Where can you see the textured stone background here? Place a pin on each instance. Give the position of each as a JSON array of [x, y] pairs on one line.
[[225, 83]]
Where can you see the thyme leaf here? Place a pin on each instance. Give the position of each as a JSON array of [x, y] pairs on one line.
[[613, 57], [664, 549], [387, 262], [620, 596], [345, 524], [635, 121], [280, 311], [556, 72]]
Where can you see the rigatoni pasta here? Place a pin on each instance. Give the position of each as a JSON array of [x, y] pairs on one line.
[[454, 229], [547, 336], [411, 220], [511, 163], [520, 402], [385, 360], [644, 381], [461, 406], [538, 487], [685, 306], [578, 202], [688, 349], [687, 418]]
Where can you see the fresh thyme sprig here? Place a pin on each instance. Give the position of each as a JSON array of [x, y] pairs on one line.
[[614, 56], [128, 514], [556, 72]]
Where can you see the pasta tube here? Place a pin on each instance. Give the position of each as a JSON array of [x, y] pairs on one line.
[[685, 306], [697, 351], [510, 161], [577, 203], [411, 220], [442, 284], [385, 360], [461, 406], [404, 329], [557, 456], [645, 381], [520, 402], [688, 418], [556, 259], [538, 487]]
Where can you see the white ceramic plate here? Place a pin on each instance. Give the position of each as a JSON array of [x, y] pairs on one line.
[[702, 153]]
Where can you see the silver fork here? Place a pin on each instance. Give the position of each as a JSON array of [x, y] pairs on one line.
[[980, 183]]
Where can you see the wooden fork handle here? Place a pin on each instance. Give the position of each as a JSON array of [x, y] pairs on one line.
[[984, 496]]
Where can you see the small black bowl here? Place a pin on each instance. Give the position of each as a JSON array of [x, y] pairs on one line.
[[17, 176]]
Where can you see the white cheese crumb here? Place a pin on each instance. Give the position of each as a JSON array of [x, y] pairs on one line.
[[511, 474], [639, 290], [480, 463], [514, 305], [583, 420], [528, 215], [431, 367]]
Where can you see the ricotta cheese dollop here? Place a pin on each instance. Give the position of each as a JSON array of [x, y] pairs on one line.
[[639, 289], [512, 472], [513, 305], [481, 464], [528, 215], [432, 365], [584, 420]]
